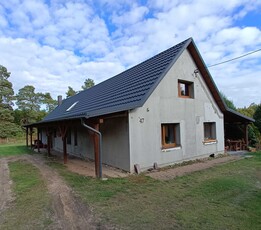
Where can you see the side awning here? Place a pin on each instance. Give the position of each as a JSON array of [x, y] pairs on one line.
[[232, 116]]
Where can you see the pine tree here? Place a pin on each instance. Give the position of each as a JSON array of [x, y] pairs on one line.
[[88, 83], [29, 102], [70, 92], [7, 126]]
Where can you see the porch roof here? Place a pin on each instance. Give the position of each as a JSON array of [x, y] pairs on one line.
[[232, 116]]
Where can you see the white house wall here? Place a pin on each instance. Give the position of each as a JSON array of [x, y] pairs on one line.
[[115, 140], [43, 136], [165, 106], [84, 147]]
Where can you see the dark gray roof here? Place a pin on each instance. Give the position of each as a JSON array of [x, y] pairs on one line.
[[127, 90]]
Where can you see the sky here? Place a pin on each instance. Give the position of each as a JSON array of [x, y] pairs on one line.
[[53, 44]]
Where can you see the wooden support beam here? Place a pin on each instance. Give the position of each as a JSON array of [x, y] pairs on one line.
[[31, 137], [96, 150], [26, 136], [63, 132], [246, 134], [48, 134], [97, 143], [38, 141]]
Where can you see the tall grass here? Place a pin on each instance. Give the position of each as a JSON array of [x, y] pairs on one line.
[[14, 149]]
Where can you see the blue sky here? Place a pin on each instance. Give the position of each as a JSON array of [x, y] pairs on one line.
[[57, 43]]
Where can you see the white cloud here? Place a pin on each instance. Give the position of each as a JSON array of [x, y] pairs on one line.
[[131, 17], [49, 69], [61, 43], [38, 13]]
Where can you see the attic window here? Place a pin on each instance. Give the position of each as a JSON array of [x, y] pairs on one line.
[[185, 89], [74, 104]]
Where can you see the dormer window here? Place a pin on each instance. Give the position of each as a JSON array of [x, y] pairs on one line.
[[74, 104]]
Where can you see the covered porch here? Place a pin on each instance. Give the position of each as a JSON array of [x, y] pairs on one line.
[[78, 138], [85, 167], [236, 131], [40, 137]]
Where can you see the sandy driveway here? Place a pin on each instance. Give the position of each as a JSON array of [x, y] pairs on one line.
[[69, 212]]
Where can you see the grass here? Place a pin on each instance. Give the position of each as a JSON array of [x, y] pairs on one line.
[[14, 149], [31, 208], [227, 196], [224, 197]]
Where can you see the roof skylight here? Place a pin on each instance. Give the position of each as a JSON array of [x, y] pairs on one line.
[[74, 104]]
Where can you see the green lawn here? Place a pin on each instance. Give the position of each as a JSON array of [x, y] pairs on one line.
[[13, 149], [32, 207], [225, 197]]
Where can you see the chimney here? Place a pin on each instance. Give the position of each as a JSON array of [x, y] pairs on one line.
[[60, 100]]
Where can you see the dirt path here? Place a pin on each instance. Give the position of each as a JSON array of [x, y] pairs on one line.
[[5, 185], [69, 212], [182, 170]]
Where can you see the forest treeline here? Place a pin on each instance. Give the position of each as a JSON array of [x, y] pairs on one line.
[[27, 106], [32, 106]]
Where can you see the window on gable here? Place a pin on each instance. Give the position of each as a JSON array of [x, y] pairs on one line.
[[185, 89], [209, 131], [170, 135]]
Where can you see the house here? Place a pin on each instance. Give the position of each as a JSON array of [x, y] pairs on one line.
[[164, 110]]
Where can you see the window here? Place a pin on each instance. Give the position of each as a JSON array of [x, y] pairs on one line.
[[75, 137], [185, 89], [209, 131], [69, 137], [170, 135]]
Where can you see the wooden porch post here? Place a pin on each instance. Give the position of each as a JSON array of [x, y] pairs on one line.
[[96, 150], [63, 131], [38, 137], [48, 142], [31, 137], [246, 134], [26, 136]]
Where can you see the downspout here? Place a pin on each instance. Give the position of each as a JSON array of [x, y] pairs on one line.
[[100, 145]]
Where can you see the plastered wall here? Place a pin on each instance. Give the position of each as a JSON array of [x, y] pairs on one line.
[[165, 106]]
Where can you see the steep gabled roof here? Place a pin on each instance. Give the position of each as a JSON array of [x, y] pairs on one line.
[[131, 88], [125, 91]]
